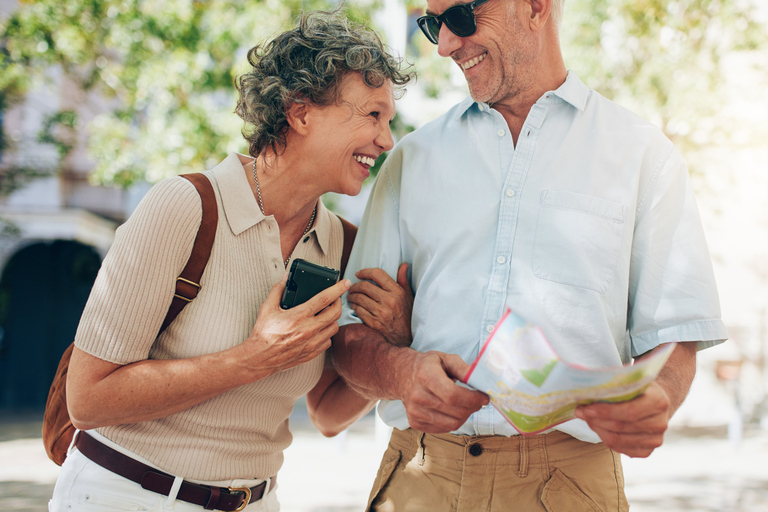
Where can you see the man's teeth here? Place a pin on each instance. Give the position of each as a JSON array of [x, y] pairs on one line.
[[365, 160], [474, 62]]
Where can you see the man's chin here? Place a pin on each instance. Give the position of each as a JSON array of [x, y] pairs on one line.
[[479, 94]]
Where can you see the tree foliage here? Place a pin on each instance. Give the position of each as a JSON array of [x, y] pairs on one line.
[[162, 72], [165, 70], [661, 58]]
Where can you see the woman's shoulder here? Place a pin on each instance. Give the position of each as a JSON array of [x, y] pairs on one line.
[[172, 196]]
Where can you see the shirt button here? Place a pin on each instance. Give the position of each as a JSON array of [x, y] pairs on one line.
[[475, 449], [501, 133], [480, 106], [306, 239], [501, 260], [510, 193], [489, 327]]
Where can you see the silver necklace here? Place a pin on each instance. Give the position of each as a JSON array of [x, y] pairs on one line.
[[261, 207]]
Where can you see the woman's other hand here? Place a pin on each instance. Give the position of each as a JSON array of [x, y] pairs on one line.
[[383, 304], [282, 339]]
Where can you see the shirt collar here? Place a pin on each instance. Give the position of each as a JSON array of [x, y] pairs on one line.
[[572, 91], [241, 208]]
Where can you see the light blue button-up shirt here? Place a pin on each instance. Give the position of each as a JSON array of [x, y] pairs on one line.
[[587, 228]]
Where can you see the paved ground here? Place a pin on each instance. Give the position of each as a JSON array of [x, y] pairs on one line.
[[696, 470]]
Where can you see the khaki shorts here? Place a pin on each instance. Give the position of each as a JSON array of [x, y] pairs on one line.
[[551, 472]]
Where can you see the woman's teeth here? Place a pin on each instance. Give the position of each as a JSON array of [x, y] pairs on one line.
[[365, 160], [474, 62]]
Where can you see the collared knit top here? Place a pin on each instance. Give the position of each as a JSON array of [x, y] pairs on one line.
[[243, 432]]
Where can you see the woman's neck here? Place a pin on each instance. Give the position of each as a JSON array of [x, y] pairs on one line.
[[286, 194]]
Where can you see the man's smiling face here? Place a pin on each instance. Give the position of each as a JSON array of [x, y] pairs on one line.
[[497, 59]]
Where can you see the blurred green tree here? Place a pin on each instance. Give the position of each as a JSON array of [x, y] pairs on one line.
[[662, 59], [167, 68]]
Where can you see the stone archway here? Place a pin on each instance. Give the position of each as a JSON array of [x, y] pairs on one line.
[[43, 290]]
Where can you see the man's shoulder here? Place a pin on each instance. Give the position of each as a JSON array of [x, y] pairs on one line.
[[611, 115], [427, 133]]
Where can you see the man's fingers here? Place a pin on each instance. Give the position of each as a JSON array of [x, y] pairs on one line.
[[366, 288], [359, 300], [455, 366], [446, 389], [402, 278], [378, 276]]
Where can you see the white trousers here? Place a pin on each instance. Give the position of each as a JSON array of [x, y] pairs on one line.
[[84, 486]]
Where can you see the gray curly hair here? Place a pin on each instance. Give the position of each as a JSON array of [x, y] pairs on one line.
[[307, 64]]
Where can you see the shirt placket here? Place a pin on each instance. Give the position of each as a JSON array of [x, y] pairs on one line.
[[509, 204]]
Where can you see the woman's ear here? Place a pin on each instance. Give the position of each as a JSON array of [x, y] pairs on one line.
[[297, 117]]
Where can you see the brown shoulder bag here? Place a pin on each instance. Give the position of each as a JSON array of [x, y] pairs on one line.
[[57, 426]]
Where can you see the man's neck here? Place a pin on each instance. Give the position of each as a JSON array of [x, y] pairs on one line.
[[515, 109]]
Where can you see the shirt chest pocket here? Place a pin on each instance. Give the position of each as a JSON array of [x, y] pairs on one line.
[[578, 239]]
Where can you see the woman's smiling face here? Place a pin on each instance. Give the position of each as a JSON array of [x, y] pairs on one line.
[[350, 134]]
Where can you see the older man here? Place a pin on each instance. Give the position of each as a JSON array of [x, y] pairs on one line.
[[537, 193]]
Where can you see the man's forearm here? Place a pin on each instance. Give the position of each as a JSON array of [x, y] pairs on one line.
[[677, 375], [371, 366]]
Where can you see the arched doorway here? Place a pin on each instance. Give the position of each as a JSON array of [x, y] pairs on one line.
[[43, 290]]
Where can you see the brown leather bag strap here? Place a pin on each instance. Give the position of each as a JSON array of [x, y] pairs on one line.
[[350, 231], [188, 282]]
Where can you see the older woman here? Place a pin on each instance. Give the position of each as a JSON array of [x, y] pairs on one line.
[[197, 417]]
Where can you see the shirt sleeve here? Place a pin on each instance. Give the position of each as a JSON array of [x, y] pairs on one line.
[[377, 244], [672, 290], [136, 282]]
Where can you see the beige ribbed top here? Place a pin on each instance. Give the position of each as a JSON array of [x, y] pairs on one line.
[[241, 433]]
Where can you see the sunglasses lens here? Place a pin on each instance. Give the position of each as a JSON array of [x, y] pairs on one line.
[[460, 20], [430, 25]]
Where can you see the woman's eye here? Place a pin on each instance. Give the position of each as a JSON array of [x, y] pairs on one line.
[[375, 115]]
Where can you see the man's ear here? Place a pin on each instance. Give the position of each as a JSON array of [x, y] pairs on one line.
[[298, 117], [540, 11]]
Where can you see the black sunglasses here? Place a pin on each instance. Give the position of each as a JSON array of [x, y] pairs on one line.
[[460, 19]]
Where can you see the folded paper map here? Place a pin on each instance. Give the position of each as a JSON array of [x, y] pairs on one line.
[[534, 389]]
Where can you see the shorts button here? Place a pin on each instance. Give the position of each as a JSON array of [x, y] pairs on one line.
[[475, 449]]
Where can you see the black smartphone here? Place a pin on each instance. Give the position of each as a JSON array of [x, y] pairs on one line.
[[305, 280]]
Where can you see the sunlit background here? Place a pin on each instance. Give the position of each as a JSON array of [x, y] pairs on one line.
[[99, 99]]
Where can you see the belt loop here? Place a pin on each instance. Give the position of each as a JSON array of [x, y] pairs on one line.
[[72, 443], [267, 486], [421, 447], [522, 471], [173, 492]]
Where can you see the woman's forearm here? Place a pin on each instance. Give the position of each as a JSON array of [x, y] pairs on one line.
[[100, 393], [333, 405]]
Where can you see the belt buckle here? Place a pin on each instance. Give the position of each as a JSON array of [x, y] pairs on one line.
[[246, 499]]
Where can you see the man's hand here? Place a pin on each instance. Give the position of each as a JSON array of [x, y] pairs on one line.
[[634, 428], [433, 401], [637, 427], [383, 304]]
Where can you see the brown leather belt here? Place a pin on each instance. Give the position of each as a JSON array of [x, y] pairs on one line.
[[151, 479]]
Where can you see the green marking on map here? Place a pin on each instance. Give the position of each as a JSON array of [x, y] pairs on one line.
[[538, 376]]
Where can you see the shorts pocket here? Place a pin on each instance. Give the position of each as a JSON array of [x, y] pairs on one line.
[[561, 494], [578, 240], [388, 464]]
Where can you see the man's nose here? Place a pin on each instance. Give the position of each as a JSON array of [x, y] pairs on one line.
[[447, 42]]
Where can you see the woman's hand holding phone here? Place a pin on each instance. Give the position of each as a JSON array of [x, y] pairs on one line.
[[284, 338]]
